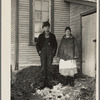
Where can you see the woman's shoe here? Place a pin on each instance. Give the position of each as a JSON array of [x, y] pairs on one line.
[[42, 87], [50, 86], [72, 81], [72, 84]]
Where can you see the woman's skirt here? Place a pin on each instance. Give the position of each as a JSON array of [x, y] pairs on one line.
[[67, 68]]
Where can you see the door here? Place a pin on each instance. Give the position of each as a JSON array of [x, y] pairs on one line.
[[89, 44]]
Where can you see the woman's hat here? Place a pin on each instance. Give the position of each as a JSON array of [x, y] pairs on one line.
[[68, 28]]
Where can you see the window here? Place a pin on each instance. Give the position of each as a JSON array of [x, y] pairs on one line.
[[41, 11]]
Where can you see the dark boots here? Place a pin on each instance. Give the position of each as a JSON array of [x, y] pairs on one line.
[[70, 80], [46, 83]]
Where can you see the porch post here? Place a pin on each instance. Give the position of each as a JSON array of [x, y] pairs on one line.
[[52, 16]]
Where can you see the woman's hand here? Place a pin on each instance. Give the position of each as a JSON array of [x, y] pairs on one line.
[[58, 58], [75, 57]]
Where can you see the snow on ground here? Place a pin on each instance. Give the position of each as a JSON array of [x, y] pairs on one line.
[[26, 83], [80, 91]]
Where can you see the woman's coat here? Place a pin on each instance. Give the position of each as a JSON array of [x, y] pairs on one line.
[[68, 48]]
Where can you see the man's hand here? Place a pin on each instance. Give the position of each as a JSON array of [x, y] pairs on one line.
[[53, 53], [39, 52]]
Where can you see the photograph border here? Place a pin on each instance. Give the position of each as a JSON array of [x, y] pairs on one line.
[[5, 46]]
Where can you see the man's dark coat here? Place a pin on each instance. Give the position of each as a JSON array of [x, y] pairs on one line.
[[41, 40]]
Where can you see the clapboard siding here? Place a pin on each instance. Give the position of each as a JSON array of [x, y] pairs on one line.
[[65, 14], [61, 18], [75, 11], [28, 54], [13, 31]]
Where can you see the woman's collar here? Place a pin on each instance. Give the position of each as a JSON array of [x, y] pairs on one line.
[[70, 36]]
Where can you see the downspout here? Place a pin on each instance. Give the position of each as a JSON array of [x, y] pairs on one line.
[[81, 45], [30, 23], [52, 16], [17, 37]]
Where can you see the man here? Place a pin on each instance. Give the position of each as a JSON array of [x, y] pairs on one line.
[[46, 47]]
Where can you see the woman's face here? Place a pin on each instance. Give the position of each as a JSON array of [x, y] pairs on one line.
[[67, 32]]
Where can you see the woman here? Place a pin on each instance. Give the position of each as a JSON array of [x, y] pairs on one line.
[[67, 54]]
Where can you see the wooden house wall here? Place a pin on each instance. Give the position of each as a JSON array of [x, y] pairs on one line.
[[65, 14], [27, 55], [26, 52], [13, 30], [75, 22], [61, 19]]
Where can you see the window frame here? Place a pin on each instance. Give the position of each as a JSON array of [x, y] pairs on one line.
[[32, 16]]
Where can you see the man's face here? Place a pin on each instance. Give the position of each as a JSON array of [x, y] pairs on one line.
[[46, 28]]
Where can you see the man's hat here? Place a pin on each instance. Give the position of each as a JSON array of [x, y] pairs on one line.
[[45, 24]]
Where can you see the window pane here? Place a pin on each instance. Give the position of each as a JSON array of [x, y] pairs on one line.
[[45, 6], [37, 15], [45, 16], [36, 35], [37, 5], [38, 26]]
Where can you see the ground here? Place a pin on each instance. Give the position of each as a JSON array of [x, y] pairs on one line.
[[26, 83]]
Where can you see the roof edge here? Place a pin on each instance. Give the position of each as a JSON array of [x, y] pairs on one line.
[[88, 12], [88, 3]]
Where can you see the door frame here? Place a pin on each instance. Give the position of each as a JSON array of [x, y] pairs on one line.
[[81, 15]]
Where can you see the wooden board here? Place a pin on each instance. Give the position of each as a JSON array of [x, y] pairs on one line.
[[88, 46]]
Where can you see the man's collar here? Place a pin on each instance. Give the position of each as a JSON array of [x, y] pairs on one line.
[[45, 32]]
